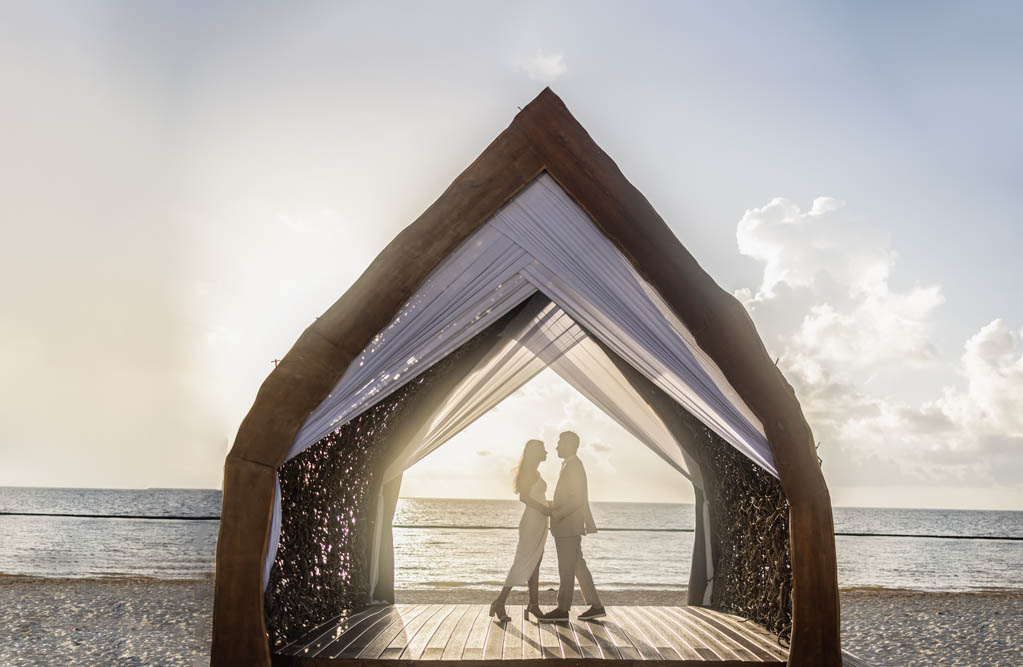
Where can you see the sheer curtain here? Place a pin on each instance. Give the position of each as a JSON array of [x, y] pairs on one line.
[[541, 241]]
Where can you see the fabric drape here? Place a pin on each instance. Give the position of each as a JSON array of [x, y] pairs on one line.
[[540, 241]]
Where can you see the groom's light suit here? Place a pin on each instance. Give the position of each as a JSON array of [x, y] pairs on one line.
[[570, 520]]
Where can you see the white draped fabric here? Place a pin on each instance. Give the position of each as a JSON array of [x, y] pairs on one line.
[[534, 341], [540, 241]]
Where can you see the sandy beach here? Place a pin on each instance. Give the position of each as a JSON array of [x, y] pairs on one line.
[[162, 622]]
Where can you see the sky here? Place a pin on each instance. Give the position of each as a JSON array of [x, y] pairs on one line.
[[185, 186]]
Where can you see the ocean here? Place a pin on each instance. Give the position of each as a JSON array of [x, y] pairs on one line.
[[469, 544]]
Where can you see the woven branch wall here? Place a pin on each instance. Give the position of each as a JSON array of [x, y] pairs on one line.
[[321, 567], [328, 497], [750, 519], [328, 493]]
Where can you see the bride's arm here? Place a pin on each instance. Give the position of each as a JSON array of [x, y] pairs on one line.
[[529, 502], [543, 508]]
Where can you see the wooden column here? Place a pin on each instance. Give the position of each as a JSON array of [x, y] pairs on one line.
[[239, 630]]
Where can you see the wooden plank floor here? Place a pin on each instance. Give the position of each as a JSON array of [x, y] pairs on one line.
[[442, 634]]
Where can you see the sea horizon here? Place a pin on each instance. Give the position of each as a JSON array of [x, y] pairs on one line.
[[51, 534], [509, 497]]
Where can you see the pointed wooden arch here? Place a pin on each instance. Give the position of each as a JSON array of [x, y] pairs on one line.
[[544, 136]]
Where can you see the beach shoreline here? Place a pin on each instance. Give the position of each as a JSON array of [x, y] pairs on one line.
[[144, 621]]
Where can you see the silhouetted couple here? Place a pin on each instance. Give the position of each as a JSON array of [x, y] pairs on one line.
[[570, 519]]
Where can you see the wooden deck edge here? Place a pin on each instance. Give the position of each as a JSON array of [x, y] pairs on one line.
[[848, 660], [298, 661]]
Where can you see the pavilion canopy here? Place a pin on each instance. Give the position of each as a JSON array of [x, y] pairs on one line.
[[540, 247]]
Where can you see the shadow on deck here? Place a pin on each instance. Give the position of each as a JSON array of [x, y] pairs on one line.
[[447, 635]]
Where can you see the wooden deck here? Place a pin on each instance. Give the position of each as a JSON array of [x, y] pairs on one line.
[[464, 634]]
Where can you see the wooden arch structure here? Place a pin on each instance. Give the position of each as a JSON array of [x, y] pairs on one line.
[[543, 138]]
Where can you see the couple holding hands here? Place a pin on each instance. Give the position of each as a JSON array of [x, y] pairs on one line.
[[570, 518]]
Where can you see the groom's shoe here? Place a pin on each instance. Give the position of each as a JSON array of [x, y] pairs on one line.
[[592, 614], [553, 616]]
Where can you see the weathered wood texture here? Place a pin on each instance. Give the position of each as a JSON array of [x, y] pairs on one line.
[[543, 136], [463, 634]]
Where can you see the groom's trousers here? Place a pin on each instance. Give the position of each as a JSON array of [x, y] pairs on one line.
[[572, 566]]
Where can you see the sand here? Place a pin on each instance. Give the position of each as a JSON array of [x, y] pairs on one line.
[[159, 622], [105, 621]]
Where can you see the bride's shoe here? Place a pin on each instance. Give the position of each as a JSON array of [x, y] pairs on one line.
[[533, 609], [497, 609]]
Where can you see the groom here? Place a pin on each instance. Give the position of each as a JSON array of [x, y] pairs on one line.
[[570, 520]]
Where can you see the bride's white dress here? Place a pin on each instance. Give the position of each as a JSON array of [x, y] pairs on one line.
[[532, 537]]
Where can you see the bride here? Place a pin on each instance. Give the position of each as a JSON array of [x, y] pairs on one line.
[[532, 492]]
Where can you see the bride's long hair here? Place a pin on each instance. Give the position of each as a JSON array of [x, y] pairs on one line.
[[530, 461]]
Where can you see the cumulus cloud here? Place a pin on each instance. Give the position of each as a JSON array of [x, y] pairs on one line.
[[545, 67], [965, 437], [834, 319], [796, 247], [855, 317]]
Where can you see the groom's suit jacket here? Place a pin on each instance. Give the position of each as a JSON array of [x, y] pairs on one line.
[[570, 509]]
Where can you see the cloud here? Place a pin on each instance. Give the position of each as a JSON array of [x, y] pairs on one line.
[[483, 452], [828, 310], [970, 434], [797, 247], [992, 364], [545, 67], [600, 447], [856, 318]]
